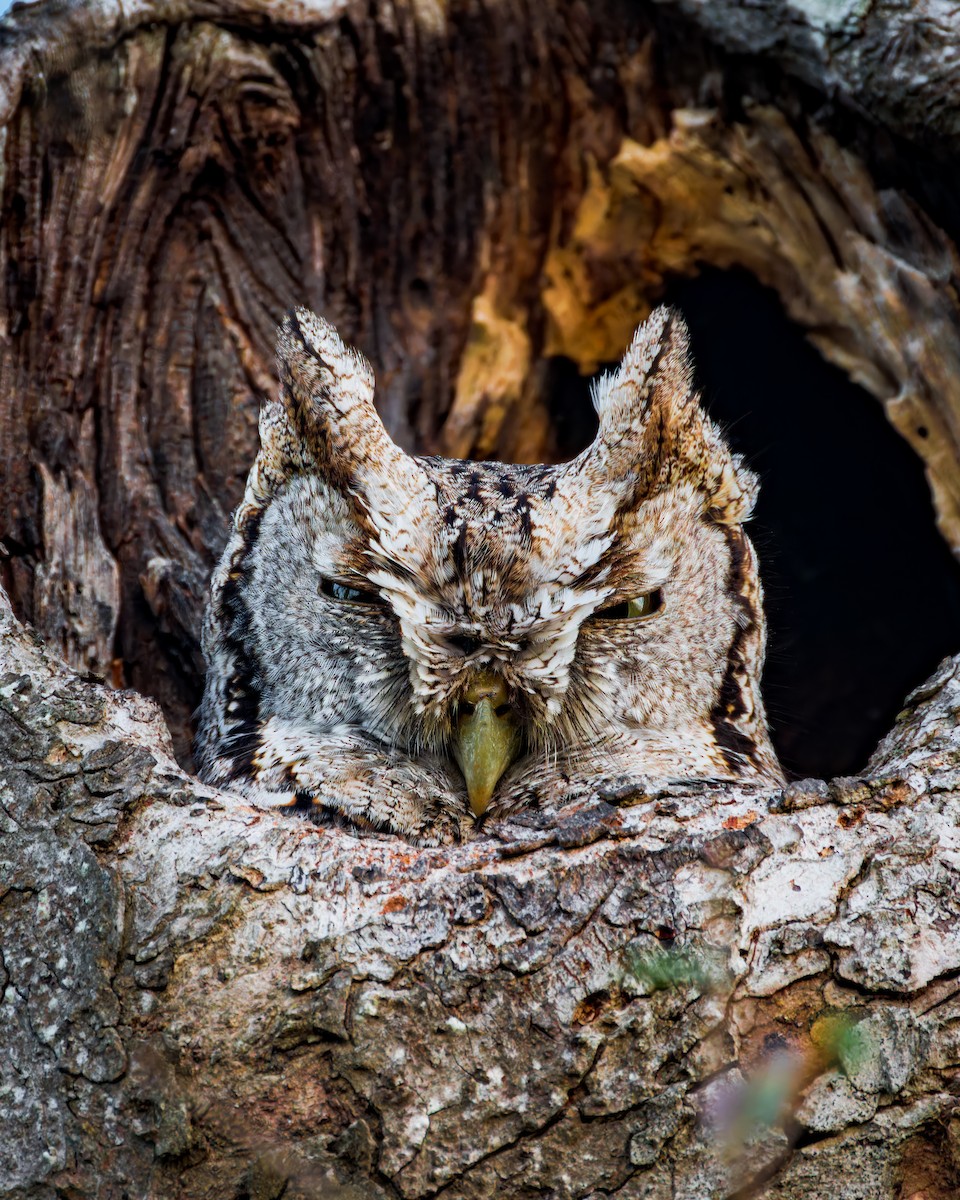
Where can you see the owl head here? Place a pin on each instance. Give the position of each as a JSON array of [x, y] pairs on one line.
[[390, 633]]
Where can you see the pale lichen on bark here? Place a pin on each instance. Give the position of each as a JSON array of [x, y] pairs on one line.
[[202, 999]]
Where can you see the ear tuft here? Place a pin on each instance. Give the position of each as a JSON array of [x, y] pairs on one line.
[[311, 346], [653, 434], [325, 385], [658, 357], [326, 390], [733, 492]]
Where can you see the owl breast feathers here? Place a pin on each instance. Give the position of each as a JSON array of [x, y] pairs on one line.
[[420, 645]]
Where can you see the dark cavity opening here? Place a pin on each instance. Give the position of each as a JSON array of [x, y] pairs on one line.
[[862, 593], [573, 420]]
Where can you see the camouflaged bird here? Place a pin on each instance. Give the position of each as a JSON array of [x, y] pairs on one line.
[[420, 645]]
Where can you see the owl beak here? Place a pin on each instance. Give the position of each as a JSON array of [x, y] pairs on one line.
[[486, 739]]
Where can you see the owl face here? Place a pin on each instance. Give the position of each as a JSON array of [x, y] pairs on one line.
[[420, 644]]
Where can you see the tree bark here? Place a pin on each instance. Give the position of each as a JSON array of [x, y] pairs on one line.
[[681, 993], [688, 992]]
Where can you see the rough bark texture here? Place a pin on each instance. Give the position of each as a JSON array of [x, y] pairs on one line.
[[467, 193], [684, 994], [687, 993]]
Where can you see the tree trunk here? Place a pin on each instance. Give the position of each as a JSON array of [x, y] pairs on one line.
[[708, 992]]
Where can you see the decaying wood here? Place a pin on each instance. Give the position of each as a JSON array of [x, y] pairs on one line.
[[686, 993], [680, 994], [860, 267], [466, 193]]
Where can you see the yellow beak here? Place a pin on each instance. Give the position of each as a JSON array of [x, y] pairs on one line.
[[486, 739]]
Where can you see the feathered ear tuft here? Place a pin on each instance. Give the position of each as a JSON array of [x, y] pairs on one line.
[[327, 410], [325, 387], [327, 392], [654, 434], [656, 366]]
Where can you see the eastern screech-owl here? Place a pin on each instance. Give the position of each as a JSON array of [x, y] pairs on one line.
[[421, 644]]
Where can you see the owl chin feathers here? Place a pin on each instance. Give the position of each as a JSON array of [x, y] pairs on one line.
[[422, 645]]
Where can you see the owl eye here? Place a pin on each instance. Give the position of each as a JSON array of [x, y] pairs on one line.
[[642, 606], [352, 595]]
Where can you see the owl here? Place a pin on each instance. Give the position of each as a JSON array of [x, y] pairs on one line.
[[421, 645]]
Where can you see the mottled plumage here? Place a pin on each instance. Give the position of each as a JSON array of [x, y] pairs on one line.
[[383, 627]]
